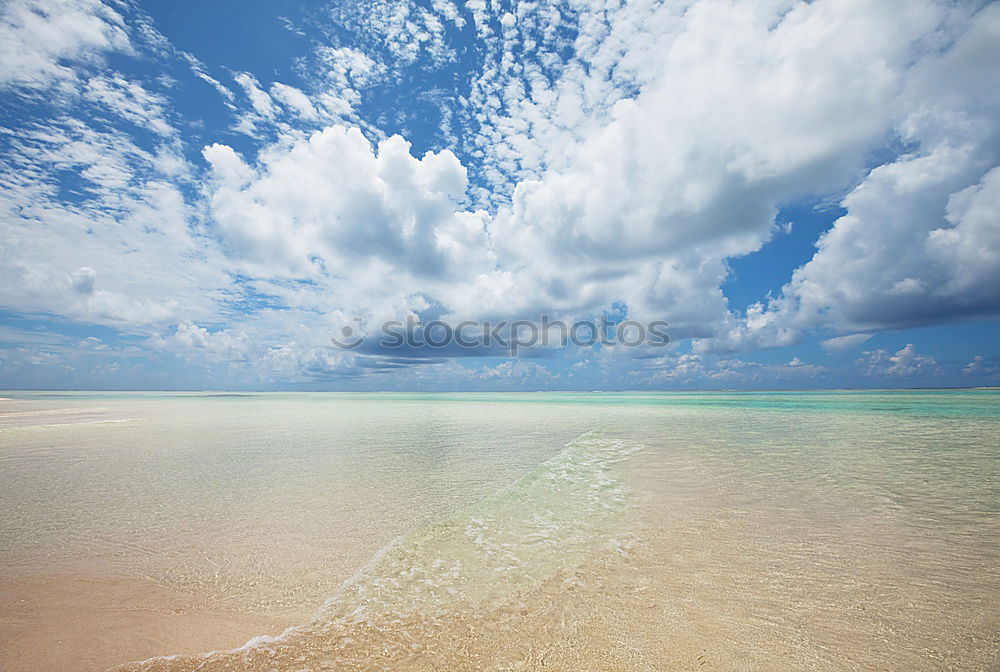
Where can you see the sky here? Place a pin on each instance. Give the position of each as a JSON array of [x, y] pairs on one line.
[[204, 195]]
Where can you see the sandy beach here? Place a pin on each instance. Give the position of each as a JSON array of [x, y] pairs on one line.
[[90, 622]]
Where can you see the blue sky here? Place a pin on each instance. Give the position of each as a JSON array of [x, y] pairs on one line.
[[200, 195]]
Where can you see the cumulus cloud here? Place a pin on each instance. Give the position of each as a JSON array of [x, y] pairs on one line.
[[693, 168], [981, 366], [699, 370], [334, 204], [294, 362], [684, 367], [216, 346], [919, 242], [905, 363], [647, 206], [516, 370]]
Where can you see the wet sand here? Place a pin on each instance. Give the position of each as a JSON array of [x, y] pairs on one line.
[[87, 621]]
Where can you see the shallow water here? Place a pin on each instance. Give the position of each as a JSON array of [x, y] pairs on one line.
[[831, 530]]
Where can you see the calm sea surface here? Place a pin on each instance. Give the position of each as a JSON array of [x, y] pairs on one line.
[[659, 531]]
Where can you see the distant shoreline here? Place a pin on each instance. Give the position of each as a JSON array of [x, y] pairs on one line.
[[235, 393]]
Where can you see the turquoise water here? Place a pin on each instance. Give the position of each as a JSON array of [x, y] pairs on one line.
[[348, 511], [944, 402]]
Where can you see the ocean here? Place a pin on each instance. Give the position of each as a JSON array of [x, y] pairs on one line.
[[573, 531]]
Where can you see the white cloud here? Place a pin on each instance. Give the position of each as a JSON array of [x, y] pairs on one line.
[[216, 346], [845, 342], [920, 242], [692, 169], [294, 99], [295, 362], [259, 99], [342, 74], [120, 252], [198, 70], [684, 367], [695, 369], [905, 363], [333, 204], [979, 366], [406, 30], [645, 208], [40, 40], [130, 101], [516, 370], [93, 343], [448, 10]]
